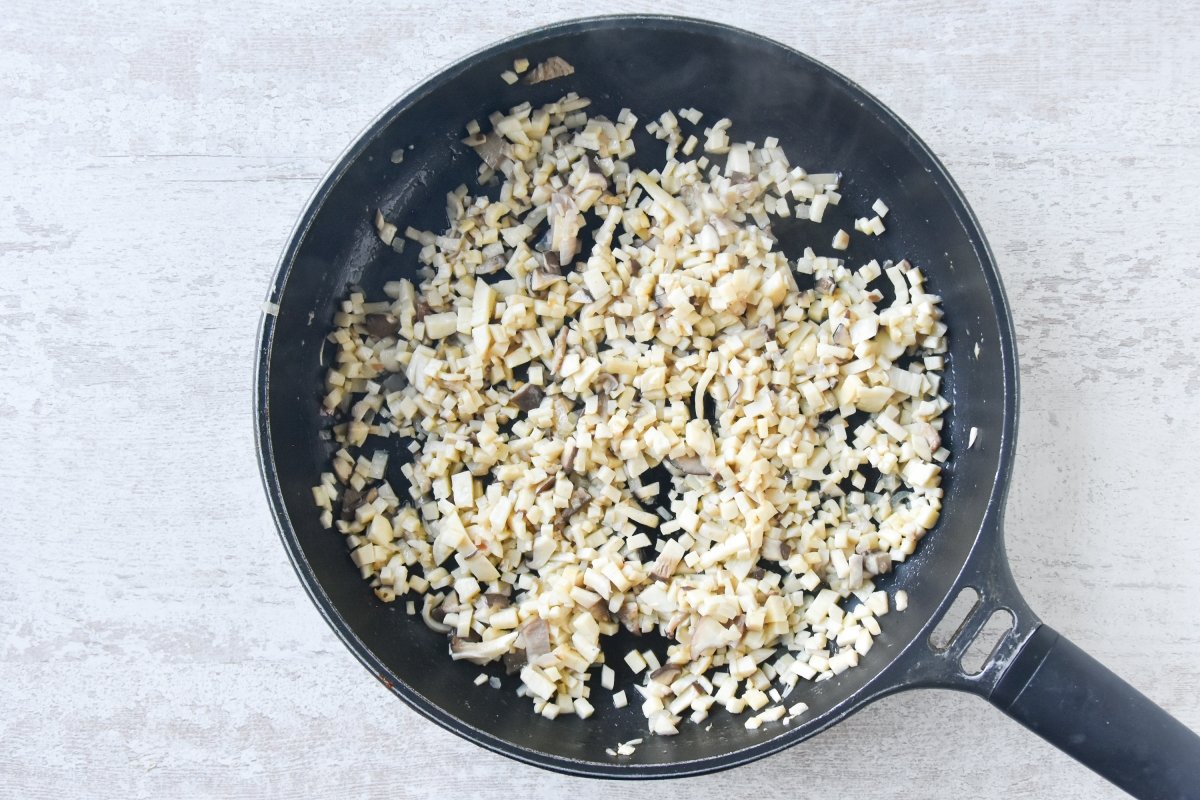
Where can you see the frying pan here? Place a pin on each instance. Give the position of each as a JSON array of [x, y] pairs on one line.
[[825, 122]]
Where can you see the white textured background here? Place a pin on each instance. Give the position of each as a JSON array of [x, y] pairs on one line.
[[153, 639]]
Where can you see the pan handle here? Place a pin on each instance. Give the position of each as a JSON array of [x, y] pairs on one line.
[[1050, 686], [1078, 705]]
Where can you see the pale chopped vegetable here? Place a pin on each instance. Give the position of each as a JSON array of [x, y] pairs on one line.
[[653, 433]]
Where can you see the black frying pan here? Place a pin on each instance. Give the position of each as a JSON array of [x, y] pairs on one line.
[[826, 122]]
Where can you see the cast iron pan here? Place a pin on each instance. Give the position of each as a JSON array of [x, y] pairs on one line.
[[826, 122]]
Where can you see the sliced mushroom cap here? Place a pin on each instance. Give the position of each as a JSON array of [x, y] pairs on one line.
[[540, 279], [491, 266], [689, 465], [568, 457], [428, 611], [628, 615], [841, 336], [560, 350], [667, 673], [491, 148], [481, 652], [351, 500], [528, 397], [514, 661], [855, 579], [579, 498], [381, 325], [536, 635], [709, 634], [878, 563], [667, 561], [548, 70], [607, 383], [496, 600], [600, 612]]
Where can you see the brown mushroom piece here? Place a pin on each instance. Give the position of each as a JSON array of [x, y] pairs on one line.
[[568, 457], [548, 70], [495, 600], [579, 498], [709, 634], [540, 279], [491, 148], [351, 500], [667, 673], [536, 635], [689, 465], [528, 397], [607, 383], [668, 560], [775, 550], [628, 615], [841, 336], [878, 563], [381, 325], [855, 578], [560, 350], [825, 286], [514, 661], [481, 652], [600, 612], [491, 266]]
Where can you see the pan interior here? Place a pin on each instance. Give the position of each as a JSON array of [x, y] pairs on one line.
[[650, 65]]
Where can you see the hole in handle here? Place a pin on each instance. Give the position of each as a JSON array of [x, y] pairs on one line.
[[986, 642], [947, 629]]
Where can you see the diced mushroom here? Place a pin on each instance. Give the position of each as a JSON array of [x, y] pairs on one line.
[[579, 498], [599, 611], [491, 266], [491, 148], [667, 561], [539, 280], [381, 325], [514, 661], [481, 652], [878, 563], [536, 635], [568, 457], [689, 465], [528, 397], [708, 635], [855, 578], [434, 623], [496, 601], [548, 70], [666, 673], [565, 224], [560, 350]]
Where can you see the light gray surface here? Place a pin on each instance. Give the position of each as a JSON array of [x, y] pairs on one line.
[[153, 639]]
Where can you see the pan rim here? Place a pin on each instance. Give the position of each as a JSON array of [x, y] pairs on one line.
[[880, 685]]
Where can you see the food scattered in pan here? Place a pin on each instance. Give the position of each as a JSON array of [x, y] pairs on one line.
[[622, 406]]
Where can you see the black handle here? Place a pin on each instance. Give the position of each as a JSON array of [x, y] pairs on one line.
[[1055, 689], [1074, 702]]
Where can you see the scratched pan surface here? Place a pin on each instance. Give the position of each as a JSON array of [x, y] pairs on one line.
[[825, 123]]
